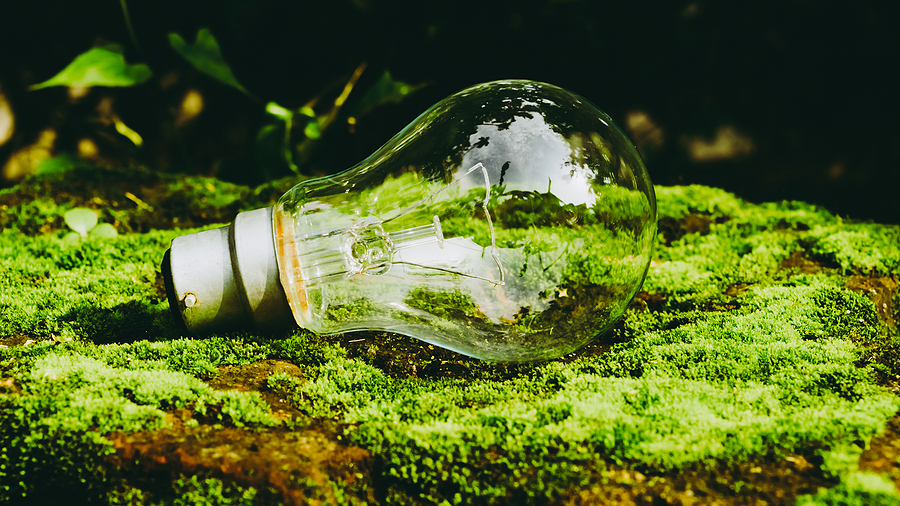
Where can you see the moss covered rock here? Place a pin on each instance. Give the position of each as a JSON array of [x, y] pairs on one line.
[[759, 365]]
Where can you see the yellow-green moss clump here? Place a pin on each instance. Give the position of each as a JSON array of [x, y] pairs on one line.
[[757, 364]]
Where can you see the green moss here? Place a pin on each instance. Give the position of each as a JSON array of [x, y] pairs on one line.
[[448, 305], [778, 375], [133, 199], [680, 201], [303, 347], [99, 289], [855, 489], [861, 247], [194, 490], [285, 385], [712, 240], [682, 276], [187, 490], [440, 441], [341, 385], [744, 348], [54, 426], [800, 338]]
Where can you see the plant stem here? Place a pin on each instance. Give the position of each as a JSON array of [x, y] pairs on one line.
[[130, 27]]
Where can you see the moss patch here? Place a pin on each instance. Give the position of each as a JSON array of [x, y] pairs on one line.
[[756, 366]]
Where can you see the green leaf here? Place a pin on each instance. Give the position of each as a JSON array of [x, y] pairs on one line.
[[59, 164], [205, 56], [276, 110], [99, 66], [71, 239], [104, 231], [81, 220], [312, 130], [384, 91]]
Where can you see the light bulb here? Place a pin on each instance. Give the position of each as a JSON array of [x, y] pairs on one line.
[[512, 221]]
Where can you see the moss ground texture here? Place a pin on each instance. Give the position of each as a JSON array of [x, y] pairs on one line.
[[759, 365]]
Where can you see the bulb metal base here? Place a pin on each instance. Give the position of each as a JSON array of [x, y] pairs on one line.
[[227, 278]]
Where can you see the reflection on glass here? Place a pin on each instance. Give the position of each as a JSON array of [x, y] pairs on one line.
[[511, 221]]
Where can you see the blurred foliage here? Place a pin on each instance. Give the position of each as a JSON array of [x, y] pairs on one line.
[[759, 98], [83, 222], [105, 66], [100, 66], [206, 57]]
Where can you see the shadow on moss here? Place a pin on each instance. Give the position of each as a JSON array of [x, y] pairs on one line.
[[125, 323]]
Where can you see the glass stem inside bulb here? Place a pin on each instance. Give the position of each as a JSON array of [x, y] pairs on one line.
[[365, 248], [331, 257]]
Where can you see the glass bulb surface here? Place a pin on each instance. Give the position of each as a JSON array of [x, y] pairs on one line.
[[512, 221]]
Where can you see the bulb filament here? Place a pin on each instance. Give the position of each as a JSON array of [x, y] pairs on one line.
[[439, 232], [367, 248]]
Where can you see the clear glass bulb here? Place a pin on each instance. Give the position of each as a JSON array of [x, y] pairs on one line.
[[512, 221]]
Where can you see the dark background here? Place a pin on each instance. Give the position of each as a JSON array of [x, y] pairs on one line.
[[805, 91]]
